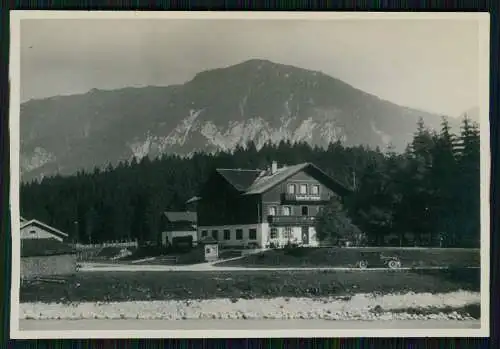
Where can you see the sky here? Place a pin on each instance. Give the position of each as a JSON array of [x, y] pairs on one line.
[[427, 64]]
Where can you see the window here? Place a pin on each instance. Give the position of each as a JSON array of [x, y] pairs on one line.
[[272, 210], [274, 233], [287, 211], [291, 188], [32, 232], [227, 234], [252, 234], [314, 189], [305, 211], [215, 234], [239, 234], [303, 188], [204, 233], [287, 233]]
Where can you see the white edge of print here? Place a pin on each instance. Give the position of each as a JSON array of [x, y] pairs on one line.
[[483, 20]]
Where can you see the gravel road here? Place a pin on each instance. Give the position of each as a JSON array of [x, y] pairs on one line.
[[90, 267]]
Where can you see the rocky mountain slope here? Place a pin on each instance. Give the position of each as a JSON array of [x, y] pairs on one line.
[[218, 109]]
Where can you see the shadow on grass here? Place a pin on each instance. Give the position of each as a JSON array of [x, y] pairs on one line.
[[467, 277]]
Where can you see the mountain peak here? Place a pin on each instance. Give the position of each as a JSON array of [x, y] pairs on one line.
[[257, 62], [255, 100]]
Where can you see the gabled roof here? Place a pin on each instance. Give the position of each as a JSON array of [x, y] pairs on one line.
[[240, 179], [44, 226], [23, 219], [185, 216], [249, 182], [267, 181], [44, 247]]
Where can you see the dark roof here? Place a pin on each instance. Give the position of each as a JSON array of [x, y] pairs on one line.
[[267, 180], [250, 182], [185, 216], [44, 226], [240, 179], [44, 247]]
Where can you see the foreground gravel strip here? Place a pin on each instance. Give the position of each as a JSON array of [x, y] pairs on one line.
[[359, 307]]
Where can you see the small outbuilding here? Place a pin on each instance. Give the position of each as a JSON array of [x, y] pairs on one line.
[[210, 248], [46, 257], [34, 229], [178, 226]]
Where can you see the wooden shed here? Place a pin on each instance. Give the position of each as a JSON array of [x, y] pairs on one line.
[[34, 229]]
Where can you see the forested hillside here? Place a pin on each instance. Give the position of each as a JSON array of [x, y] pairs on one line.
[[432, 188]]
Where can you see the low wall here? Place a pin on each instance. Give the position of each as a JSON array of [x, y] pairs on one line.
[[47, 265]]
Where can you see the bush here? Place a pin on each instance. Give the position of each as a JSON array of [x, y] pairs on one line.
[[333, 223]]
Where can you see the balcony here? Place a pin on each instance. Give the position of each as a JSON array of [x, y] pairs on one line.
[[305, 198], [291, 220]]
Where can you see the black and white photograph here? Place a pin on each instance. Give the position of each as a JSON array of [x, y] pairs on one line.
[[249, 174]]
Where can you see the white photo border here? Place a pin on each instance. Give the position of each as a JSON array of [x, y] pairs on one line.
[[483, 21]]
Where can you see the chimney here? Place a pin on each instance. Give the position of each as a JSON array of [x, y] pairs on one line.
[[274, 167]]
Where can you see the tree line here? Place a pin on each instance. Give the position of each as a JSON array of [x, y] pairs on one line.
[[427, 195]]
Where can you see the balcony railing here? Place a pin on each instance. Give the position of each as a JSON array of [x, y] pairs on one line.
[[291, 220], [311, 198]]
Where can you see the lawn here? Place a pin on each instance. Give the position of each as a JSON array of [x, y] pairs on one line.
[[348, 257], [158, 256], [146, 286]]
